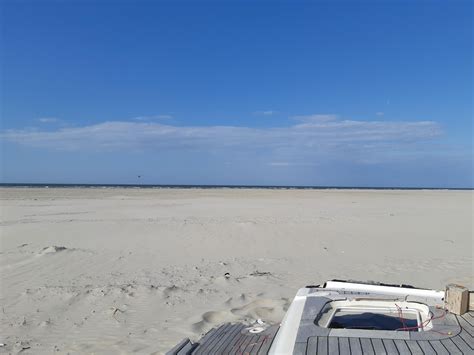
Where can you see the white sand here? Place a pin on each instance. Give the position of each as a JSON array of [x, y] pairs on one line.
[[141, 269]]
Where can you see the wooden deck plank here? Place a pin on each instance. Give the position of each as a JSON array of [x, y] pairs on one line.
[[402, 347], [468, 317], [468, 327], [333, 346], [390, 347], [224, 339], [378, 346], [178, 347], [260, 341], [356, 347], [367, 347], [312, 346], [300, 349], [232, 341], [206, 346], [450, 346], [230, 334], [209, 345], [254, 345], [467, 338], [186, 349], [439, 347], [209, 336], [267, 343], [462, 345], [414, 347], [254, 350], [426, 347], [206, 336], [245, 343], [322, 346], [233, 347], [344, 346]]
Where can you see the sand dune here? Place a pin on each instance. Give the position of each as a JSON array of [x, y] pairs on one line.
[[122, 270]]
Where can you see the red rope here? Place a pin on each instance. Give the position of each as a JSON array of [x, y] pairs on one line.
[[425, 323], [400, 315]]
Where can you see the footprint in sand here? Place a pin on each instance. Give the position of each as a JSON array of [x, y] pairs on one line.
[[269, 310], [236, 301], [172, 291], [45, 251], [211, 319], [52, 249]]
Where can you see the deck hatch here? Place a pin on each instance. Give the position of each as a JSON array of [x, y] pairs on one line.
[[374, 315]]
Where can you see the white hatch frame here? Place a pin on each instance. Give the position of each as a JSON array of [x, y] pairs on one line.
[[416, 310]]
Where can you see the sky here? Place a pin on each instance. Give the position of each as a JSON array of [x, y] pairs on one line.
[[313, 93]]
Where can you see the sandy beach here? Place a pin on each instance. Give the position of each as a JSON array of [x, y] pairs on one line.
[[90, 270]]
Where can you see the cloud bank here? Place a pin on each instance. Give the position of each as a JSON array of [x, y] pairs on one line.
[[315, 132], [315, 138]]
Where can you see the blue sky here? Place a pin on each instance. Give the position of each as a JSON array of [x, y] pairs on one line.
[[355, 93]]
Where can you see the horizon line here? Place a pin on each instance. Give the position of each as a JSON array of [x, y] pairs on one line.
[[209, 186]]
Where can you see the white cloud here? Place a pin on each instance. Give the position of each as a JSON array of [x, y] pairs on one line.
[[265, 113], [315, 138], [279, 163], [48, 120], [318, 118], [151, 118]]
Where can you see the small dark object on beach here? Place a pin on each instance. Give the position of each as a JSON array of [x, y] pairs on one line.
[[260, 273]]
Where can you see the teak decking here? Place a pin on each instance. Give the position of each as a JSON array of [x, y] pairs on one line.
[[233, 339]]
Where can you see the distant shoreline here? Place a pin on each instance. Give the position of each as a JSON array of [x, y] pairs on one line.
[[267, 187]]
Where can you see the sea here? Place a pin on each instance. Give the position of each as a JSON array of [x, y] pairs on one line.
[[270, 187]]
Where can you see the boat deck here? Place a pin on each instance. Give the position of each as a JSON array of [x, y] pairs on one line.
[[235, 339]]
